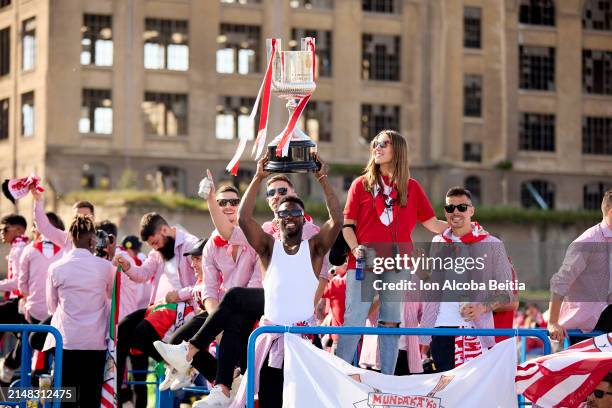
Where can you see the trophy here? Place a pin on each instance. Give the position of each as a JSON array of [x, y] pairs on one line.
[[293, 79]]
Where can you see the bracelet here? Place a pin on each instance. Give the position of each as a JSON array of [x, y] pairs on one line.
[[319, 178]]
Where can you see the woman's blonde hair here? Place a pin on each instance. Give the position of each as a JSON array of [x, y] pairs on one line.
[[399, 164]]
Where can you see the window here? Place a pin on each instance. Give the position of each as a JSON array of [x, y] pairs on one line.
[[28, 44], [538, 194], [316, 121], [593, 195], [597, 135], [96, 112], [380, 57], [472, 183], [472, 152], [5, 51], [165, 114], [241, 1], [472, 96], [323, 48], [27, 114], [537, 12], [382, 6], [597, 15], [312, 4], [233, 117], [238, 49], [471, 27], [95, 176], [537, 132], [97, 41], [375, 118], [4, 119], [166, 44], [597, 72], [536, 68], [169, 179], [5, 3]]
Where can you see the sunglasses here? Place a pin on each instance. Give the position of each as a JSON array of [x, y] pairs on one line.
[[381, 144], [600, 393], [233, 202], [281, 192], [451, 208], [296, 212]]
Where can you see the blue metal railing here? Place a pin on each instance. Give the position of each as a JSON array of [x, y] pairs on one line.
[[26, 355], [542, 334]]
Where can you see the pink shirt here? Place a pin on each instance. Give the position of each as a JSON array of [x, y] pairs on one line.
[[79, 288], [222, 273], [269, 227], [35, 261], [55, 235], [13, 258], [584, 278], [154, 265], [131, 291]]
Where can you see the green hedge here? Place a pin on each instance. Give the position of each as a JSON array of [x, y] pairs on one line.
[[317, 209]]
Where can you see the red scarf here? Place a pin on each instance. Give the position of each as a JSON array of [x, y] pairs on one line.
[[135, 258], [14, 189], [386, 201], [477, 234], [47, 248]]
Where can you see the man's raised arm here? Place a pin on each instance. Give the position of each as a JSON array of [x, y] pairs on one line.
[[257, 238], [331, 228]]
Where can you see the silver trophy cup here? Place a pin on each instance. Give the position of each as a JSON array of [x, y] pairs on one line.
[[292, 79]]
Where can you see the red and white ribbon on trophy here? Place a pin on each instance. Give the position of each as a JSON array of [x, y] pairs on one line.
[[264, 95]]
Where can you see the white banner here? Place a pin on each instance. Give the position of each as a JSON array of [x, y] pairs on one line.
[[315, 378]]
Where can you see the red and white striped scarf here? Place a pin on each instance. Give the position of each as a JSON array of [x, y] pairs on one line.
[[385, 201]]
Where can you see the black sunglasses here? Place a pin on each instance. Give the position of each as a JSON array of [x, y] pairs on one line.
[[231, 201], [296, 212], [600, 393], [381, 144], [281, 192], [451, 208]]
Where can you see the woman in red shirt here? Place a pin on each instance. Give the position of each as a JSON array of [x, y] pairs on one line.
[[382, 208]]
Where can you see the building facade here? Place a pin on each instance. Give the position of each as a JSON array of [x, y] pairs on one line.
[[512, 98]]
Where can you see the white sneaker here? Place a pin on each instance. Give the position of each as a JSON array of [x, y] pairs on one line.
[[171, 375], [6, 373], [182, 381], [174, 354], [216, 399]]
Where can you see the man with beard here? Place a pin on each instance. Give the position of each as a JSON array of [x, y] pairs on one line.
[[173, 280]]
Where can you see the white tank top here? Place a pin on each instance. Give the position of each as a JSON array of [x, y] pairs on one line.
[[289, 286]]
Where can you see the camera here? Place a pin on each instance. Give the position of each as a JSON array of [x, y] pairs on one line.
[[102, 243]]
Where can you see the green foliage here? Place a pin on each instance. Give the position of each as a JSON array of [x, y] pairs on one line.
[[128, 180]]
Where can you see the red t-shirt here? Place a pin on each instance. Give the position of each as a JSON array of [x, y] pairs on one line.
[[369, 229], [335, 291]]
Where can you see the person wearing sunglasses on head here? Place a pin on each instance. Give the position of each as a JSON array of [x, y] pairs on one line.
[[601, 397], [464, 239], [383, 205]]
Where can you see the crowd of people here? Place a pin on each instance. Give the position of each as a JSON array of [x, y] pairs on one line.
[[192, 302]]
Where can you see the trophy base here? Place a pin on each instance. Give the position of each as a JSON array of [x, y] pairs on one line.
[[300, 158]]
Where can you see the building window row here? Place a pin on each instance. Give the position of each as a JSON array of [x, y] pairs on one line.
[[238, 49], [166, 44], [537, 132], [537, 12], [380, 57], [597, 15], [537, 68], [472, 96], [96, 112], [375, 118], [97, 40]]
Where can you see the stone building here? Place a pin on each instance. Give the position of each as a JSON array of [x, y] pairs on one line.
[[512, 98]]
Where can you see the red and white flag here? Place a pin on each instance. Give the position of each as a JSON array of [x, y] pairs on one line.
[[14, 189], [566, 378]]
